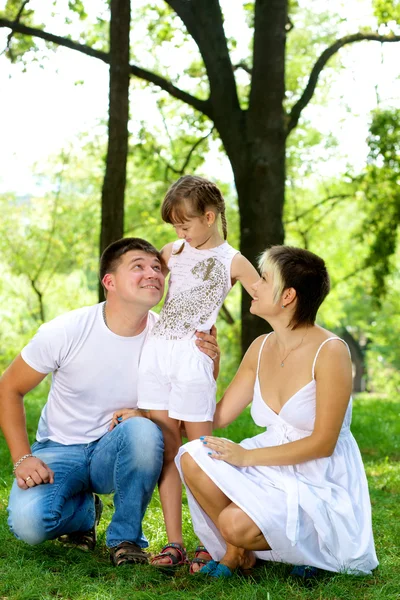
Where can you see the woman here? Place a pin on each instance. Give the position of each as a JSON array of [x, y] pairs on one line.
[[296, 493]]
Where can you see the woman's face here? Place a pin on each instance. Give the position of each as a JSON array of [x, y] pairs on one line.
[[263, 291]]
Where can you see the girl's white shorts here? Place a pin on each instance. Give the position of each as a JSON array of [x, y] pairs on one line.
[[174, 375]]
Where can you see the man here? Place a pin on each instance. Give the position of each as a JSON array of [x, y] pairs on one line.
[[93, 354]]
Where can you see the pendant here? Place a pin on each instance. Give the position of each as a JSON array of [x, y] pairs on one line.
[[282, 364]]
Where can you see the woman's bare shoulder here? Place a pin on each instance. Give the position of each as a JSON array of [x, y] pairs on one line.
[[253, 352]]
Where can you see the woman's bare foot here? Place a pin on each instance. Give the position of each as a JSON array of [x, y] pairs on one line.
[[236, 558]]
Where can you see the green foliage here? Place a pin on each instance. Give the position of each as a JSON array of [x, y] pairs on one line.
[[77, 6], [381, 190], [48, 251], [387, 11], [19, 45]]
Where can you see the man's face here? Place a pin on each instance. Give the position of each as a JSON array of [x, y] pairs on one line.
[[138, 278]]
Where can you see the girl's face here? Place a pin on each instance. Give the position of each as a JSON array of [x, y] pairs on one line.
[[195, 230]]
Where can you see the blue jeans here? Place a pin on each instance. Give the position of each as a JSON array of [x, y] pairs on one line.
[[126, 461]]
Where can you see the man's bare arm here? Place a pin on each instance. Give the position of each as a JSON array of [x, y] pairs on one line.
[[17, 381]]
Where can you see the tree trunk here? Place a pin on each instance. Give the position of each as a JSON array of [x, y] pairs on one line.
[[260, 177], [358, 360], [113, 192], [260, 189]]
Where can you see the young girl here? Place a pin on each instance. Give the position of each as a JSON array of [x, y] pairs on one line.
[[176, 380]]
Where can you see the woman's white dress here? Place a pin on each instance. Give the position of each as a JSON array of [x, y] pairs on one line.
[[315, 513]]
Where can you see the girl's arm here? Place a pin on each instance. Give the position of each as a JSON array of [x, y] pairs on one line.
[[242, 270], [334, 382], [240, 392], [166, 252]]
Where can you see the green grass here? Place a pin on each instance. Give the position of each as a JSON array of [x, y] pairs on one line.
[[50, 571]]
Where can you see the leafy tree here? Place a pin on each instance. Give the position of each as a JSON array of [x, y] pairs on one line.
[[254, 126], [44, 238], [381, 192]]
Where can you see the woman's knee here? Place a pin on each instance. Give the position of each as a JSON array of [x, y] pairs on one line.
[[190, 468], [236, 527]]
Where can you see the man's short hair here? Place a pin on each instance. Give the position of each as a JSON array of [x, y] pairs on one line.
[[111, 257], [302, 270]]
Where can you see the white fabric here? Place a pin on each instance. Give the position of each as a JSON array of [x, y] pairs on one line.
[[78, 349], [315, 513], [199, 283], [178, 377]]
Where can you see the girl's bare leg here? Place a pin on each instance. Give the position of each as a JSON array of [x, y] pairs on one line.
[[193, 432], [169, 485], [196, 430]]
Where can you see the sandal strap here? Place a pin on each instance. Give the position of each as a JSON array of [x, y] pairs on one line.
[[199, 561], [175, 560], [175, 546], [127, 552], [201, 550]]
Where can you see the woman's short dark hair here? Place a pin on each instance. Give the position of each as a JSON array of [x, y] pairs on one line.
[[302, 270], [111, 257]]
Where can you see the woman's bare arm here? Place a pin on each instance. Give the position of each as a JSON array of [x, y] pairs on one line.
[[239, 394], [334, 382]]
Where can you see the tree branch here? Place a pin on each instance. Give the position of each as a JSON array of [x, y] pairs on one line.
[[16, 20], [337, 198], [244, 67], [180, 171], [204, 22], [321, 62], [203, 106]]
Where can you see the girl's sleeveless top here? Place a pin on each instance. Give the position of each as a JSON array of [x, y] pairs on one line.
[[199, 283]]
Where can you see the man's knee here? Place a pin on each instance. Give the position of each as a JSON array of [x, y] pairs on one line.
[[144, 440], [27, 520]]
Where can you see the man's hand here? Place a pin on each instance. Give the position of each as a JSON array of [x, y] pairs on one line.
[[127, 413], [207, 343], [33, 471]]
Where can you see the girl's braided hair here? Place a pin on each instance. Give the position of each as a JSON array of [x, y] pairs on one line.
[[191, 196]]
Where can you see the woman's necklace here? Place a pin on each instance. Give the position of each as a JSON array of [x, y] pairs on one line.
[[295, 348]]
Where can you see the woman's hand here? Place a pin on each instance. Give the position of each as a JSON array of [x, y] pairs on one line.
[[127, 413], [222, 449]]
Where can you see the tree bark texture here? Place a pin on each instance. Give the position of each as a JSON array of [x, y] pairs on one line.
[[113, 191]]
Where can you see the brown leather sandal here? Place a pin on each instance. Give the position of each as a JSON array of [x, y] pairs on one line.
[[174, 561], [85, 540], [128, 553]]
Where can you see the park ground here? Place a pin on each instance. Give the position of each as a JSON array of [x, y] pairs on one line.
[[50, 571]]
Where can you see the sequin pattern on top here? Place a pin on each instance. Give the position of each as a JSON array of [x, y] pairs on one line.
[[199, 283]]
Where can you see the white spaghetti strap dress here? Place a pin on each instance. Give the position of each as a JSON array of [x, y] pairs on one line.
[[315, 513]]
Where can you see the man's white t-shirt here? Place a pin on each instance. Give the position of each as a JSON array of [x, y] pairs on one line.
[[94, 372]]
